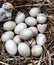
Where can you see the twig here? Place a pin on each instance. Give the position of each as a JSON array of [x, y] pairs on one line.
[[29, 5], [3, 63], [49, 57], [39, 61], [50, 43], [52, 54]]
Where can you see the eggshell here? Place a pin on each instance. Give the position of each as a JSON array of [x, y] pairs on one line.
[[41, 39], [42, 27], [7, 36], [20, 27], [26, 34], [34, 30], [41, 18], [9, 25], [34, 11], [30, 21], [36, 50], [17, 39], [11, 47], [24, 49], [20, 17]]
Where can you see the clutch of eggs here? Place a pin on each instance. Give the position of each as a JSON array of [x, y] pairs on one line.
[[20, 35]]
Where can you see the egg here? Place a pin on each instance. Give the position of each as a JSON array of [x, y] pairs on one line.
[[24, 49], [36, 50], [42, 27], [34, 30], [41, 39], [20, 17], [41, 18], [19, 28], [17, 39], [30, 21], [26, 34], [34, 11], [7, 36], [11, 47], [9, 25]]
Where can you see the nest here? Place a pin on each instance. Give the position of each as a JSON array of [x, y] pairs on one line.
[[47, 57]]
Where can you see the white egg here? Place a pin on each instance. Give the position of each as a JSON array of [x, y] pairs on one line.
[[41, 18], [24, 49], [7, 36], [9, 25], [20, 17], [26, 34], [17, 39], [11, 47], [36, 50], [30, 21], [34, 30], [20, 27], [42, 27], [41, 39], [34, 12]]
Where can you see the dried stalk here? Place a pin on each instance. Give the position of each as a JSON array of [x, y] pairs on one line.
[[49, 57], [29, 5], [3, 63]]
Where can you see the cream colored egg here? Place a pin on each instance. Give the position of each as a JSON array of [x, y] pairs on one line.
[[17, 39], [7, 36], [42, 27], [34, 11], [34, 30], [36, 50], [20, 27], [20, 17], [24, 49], [41, 39], [41, 18], [11, 47], [26, 34], [30, 21], [9, 25]]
